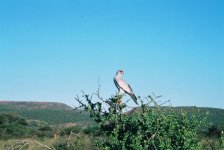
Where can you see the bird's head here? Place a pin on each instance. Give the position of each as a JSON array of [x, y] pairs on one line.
[[120, 72]]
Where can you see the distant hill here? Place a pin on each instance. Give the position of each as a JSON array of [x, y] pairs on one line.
[[50, 112], [36, 105], [215, 115]]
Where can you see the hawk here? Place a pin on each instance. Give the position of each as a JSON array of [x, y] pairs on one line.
[[122, 86]]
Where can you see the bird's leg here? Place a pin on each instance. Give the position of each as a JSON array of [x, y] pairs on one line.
[[119, 101], [119, 104]]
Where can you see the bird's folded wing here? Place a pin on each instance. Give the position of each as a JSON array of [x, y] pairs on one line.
[[124, 86]]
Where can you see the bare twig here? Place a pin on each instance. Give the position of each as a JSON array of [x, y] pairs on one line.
[[42, 145], [168, 101], [20, 144]]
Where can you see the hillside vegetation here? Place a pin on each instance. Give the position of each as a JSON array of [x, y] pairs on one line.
[[59, 113], [50, 112], [215, 116]]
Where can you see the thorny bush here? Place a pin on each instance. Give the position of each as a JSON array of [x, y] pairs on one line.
[[149, 127]]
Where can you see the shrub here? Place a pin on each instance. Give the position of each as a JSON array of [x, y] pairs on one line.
[[45, 131], [94, 130], [149, 128], [214, 131], [12, 126]]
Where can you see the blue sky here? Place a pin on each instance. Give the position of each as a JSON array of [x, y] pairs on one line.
[[50, 50]]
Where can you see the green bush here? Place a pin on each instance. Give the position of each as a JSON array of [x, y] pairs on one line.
[[148, 128], [214, 131], [94, 130], [45, 131], [12, 126]]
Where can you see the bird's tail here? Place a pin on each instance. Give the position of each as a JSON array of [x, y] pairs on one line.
[[134, 98]]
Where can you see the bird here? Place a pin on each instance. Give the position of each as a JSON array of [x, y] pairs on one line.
[[123, 87]]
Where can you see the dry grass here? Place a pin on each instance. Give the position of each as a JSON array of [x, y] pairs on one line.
[[210, 144], [82, 142], [26, 144]]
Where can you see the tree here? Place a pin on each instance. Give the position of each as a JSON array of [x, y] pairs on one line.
[[149, 127]]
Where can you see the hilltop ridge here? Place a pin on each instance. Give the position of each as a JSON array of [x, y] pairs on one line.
[[37, 105]]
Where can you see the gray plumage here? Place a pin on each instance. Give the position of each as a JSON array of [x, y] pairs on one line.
[[123, 86]]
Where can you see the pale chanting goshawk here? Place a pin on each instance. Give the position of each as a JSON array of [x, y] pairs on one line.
[[123, 87]]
